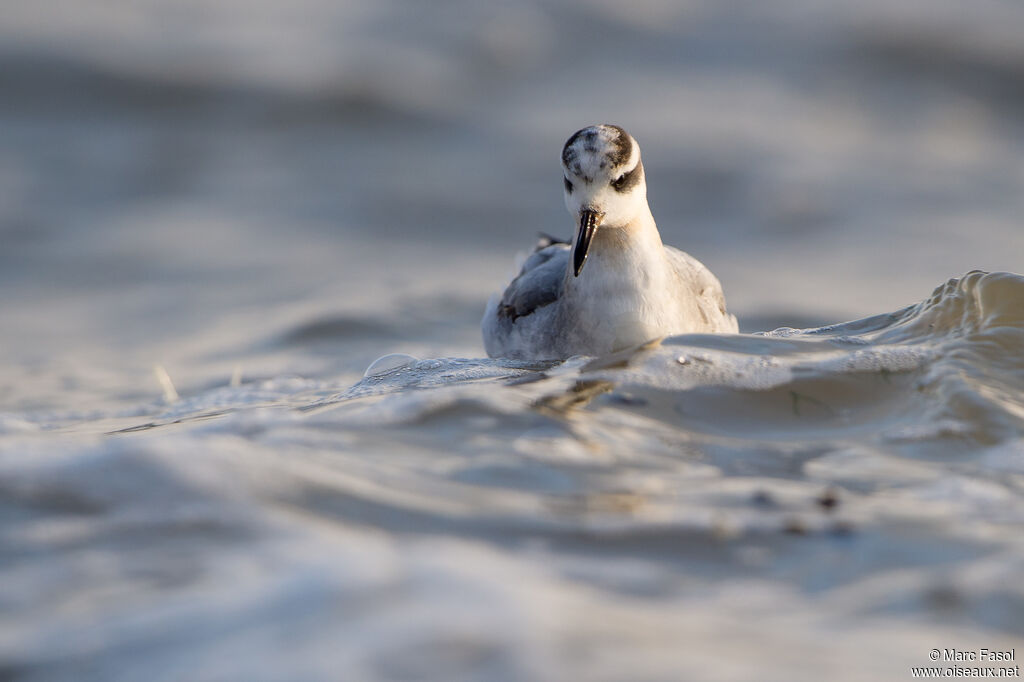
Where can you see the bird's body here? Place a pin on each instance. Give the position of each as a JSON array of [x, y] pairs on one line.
[[633, 288]]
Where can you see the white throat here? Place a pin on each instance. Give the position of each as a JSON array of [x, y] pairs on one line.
[[626, 252], [618, 289]]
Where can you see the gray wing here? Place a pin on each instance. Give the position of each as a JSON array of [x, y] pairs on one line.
[[518, 324], [538, 283], [707, 290]]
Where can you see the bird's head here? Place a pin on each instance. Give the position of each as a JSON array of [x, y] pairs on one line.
[[604, 183]]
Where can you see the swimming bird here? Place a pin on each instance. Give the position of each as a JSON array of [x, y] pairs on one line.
[[615, 285]]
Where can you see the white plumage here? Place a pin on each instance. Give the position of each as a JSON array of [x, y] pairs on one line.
[[632, 288]]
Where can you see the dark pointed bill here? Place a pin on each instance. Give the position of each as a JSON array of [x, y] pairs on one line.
[[589, 220]]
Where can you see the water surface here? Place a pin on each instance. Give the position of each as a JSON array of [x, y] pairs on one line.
[[262, 200]]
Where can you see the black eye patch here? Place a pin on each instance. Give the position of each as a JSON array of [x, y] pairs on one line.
[[629, 180], [568, 185]]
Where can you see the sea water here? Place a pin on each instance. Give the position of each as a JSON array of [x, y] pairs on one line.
[[686, 505], [216, 217]]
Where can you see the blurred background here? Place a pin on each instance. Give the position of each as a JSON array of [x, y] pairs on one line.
[[279, 193], [300, 187]]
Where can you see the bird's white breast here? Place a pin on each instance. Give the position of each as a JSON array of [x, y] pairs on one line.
[[614, 303]]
